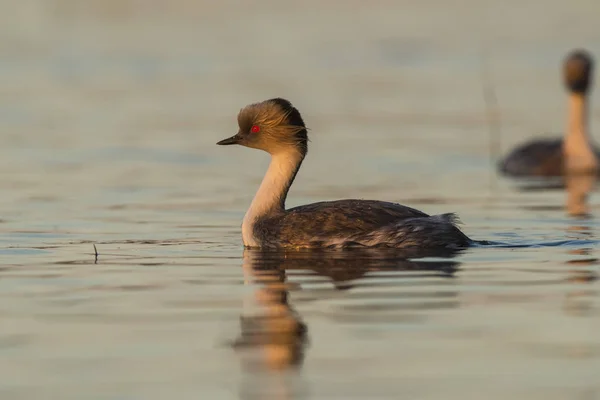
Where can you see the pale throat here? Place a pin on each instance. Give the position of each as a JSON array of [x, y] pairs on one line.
[[272, 192], [577, 147]]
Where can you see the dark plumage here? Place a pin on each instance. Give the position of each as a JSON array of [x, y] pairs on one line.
[[538, 157], [358, 223], [276, 127]]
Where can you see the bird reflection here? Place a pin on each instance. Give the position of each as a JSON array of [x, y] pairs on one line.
[[579, 302], [577, 186], [273, 328]]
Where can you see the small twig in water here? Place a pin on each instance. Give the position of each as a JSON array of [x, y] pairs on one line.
[[493, 114], [96, 254], [493, 117]]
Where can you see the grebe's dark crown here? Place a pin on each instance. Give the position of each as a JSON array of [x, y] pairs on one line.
[[578, 70]]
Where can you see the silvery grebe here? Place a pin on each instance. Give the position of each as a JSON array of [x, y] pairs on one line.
[[572, 154], [276, 127]]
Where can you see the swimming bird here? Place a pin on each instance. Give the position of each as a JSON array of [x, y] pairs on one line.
[[276, 127], [575, 153]]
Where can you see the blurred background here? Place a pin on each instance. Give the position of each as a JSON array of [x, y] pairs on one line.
[[110, 111]]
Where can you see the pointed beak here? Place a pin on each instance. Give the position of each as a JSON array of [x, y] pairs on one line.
[[235, 139]]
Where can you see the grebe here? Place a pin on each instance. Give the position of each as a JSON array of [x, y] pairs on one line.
[[275, 126], [557, 156]]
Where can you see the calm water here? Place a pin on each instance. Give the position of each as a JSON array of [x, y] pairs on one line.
[[109, 117]]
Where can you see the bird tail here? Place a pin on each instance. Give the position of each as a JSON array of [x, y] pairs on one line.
[[451, 218]]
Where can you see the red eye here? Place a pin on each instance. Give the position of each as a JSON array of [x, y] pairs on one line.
[[255, 129]]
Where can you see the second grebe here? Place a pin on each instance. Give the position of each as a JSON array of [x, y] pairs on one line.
[[276, 127], [557, 156]]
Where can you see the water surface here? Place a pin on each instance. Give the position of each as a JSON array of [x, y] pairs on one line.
[[109, 118]]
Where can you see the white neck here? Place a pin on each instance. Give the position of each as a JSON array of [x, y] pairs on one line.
[[270, 197], [577, 147]]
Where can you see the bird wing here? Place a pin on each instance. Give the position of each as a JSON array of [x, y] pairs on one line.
[[332, 219]]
